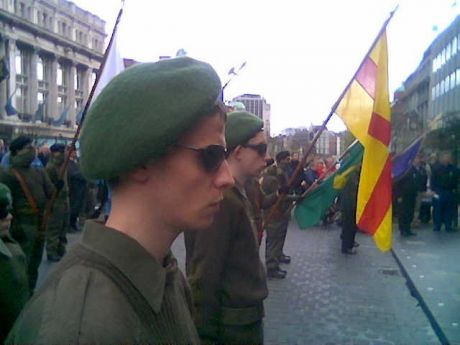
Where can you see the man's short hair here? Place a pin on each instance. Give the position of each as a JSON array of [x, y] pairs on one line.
[[282, 155], [19, 143]]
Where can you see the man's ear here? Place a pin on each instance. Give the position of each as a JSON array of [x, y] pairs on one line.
[[141, 175], [236, 152]]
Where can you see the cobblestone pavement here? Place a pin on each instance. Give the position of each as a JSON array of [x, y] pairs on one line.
[[432, 260], [328, 298]]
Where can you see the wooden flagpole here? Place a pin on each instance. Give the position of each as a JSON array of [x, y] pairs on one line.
[[49, 205]]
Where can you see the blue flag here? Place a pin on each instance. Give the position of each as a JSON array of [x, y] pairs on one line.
[[39, 114], [62, 118], [9, 108], [403, 161]]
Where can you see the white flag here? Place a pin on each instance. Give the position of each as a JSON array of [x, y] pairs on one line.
[[113, 66]]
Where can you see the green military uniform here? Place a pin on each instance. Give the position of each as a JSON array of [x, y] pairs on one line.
[[59, 220], [259, 201], [109, 290], [226, 275], [273, 179], [14, 284], [26, 225]]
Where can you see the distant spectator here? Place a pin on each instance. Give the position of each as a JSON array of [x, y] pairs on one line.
[[444, 181]]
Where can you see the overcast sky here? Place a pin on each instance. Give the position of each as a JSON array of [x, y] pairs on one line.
[[300, 53]]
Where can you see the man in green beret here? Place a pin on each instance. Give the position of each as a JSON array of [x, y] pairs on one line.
[[223, 264], [14, 283], [120, 284], [59, 221], [31, 189]]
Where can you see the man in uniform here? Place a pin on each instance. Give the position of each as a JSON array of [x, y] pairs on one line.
[[31, 189], [348, 202], [120, 284], [224, 269], [276, 179], [14, 284], [58, 222]]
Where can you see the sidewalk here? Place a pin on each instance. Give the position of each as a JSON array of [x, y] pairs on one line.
[[331, 298], [432, 260]]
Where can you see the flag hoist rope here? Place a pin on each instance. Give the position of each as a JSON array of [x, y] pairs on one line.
[[274, 209], [49, 205]]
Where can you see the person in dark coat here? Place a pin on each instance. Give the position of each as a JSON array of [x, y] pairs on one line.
[[121, 284], [77, 191], [406, 190], [348, 201], [444, 181], [224, 269], [14, 282]]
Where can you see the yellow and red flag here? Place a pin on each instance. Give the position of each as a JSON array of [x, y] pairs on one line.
[[365, 109]]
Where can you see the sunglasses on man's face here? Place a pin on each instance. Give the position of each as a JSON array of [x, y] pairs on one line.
[[211, 157], [261, 149]]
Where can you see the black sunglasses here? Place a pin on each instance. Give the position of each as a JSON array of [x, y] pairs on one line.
[[261, 149], [211, 156]]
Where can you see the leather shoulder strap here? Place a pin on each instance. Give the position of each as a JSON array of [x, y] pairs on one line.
[[26, 190]]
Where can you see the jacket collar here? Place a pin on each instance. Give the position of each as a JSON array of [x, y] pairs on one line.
[[142, 269]]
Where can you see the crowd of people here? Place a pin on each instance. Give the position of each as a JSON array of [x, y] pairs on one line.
[[185, 165], [427, 192]]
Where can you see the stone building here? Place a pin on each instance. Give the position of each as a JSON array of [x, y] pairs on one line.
[[53, 50]]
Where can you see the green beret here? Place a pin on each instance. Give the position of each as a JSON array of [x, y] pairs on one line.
[[142, 112], [240, 127]]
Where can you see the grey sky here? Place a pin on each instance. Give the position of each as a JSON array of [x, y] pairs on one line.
[[300, 54]]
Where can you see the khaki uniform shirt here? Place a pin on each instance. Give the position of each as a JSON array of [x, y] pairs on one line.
[[224, 269], [82, 303]]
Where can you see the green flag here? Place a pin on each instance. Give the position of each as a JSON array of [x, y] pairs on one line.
[[310, 211]]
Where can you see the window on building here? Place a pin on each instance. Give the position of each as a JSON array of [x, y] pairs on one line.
[[60, 76], [458, 76], [443, 57], [441, 88], [448, 51], [22, 9], [40, 97], [40, 69], [433, 89], [454, 46], [93, 79], [44, 19], [446, 84], [18, 62], [452, 80]]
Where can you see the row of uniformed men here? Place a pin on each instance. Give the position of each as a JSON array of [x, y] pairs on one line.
[[182, 166]]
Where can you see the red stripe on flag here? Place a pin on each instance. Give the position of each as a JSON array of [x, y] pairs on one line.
[[380, 128], [367, 75], [379, 202]]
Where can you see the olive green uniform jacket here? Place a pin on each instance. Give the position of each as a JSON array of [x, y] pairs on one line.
[[59, 220], [25, 227], [14, 284], [224, 269], [109, 290]]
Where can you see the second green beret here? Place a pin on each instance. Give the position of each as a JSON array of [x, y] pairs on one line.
[[240, 127], [142, 112]]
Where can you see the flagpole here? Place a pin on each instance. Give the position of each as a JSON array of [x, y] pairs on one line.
[[72, 148], [300, 166]]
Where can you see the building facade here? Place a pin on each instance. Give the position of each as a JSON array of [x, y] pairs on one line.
[[53, 50], [430, 97], [257, 105]]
